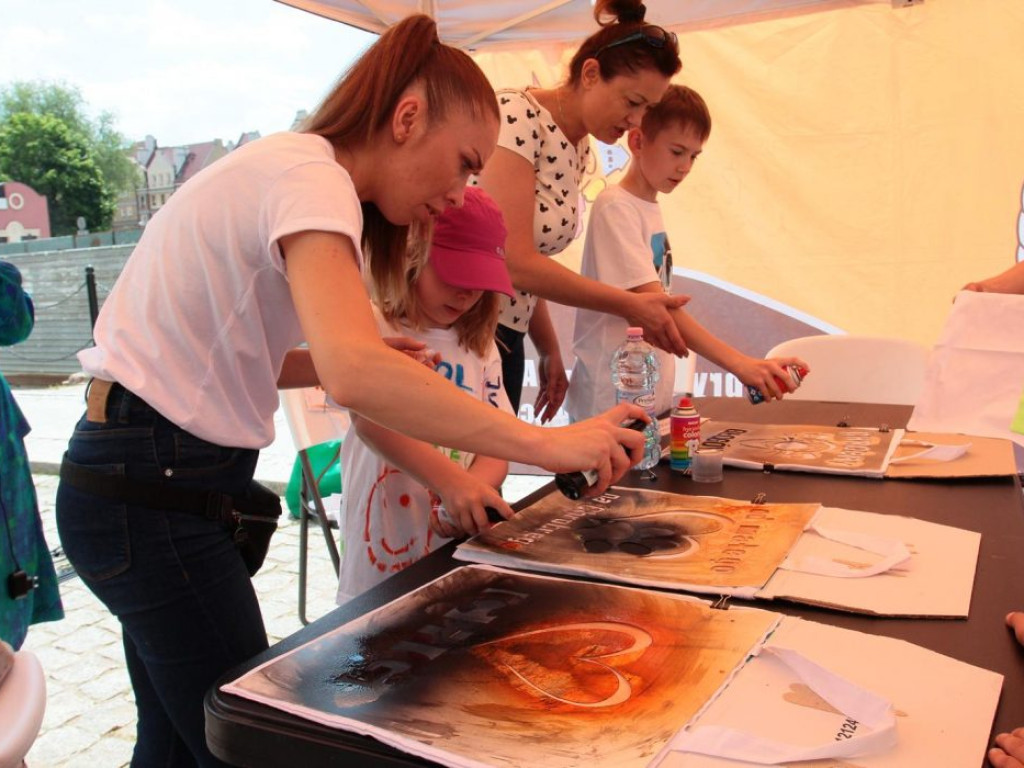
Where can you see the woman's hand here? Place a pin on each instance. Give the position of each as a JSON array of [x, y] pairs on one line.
[[553, 384], [599, 443], [1015, 621], [652, 312], [1009, 750]]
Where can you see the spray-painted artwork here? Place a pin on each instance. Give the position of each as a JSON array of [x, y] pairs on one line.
[[807, 448], [649, 538], [484, 667]]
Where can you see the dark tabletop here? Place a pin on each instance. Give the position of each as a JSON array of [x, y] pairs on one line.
[[246, 733]]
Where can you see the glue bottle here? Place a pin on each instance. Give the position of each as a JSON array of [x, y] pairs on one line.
[[684, 426]]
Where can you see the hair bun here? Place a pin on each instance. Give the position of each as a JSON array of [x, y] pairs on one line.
[[635, 14]]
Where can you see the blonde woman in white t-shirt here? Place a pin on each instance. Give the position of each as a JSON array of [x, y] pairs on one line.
[[254, 255]]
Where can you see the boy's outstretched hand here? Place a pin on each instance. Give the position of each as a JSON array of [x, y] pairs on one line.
[[766, 374]]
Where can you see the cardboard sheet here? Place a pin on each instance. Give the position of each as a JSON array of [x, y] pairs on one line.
[[944, 708], [985, 457], [937, 581]]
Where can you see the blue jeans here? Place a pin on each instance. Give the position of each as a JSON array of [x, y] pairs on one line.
[[174, 580], [512, 349]]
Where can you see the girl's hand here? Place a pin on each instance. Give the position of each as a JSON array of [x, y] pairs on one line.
[[553, 386], [464, 498], [417, 350]]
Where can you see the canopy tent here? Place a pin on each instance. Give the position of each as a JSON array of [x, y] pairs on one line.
[[864, 163], [476, 25]]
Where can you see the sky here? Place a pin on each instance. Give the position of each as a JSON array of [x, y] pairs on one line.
[[185, 71]]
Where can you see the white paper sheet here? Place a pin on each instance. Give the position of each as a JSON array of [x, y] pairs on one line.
[[976, 370]]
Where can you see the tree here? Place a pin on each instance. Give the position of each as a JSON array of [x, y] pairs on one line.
[[106, 146], [45, 153]]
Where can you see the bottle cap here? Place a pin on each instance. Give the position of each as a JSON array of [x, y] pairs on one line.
[[634, 330], [685, 402]]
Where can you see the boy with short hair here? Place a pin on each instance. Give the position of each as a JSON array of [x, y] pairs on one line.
[[626, 246]]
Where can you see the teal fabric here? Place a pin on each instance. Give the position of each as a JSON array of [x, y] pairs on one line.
[[324, 458], [22, 543]]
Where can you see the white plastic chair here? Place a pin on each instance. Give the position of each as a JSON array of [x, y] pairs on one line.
[[312, 421], [22, 704], [858, 369], [686, 370]]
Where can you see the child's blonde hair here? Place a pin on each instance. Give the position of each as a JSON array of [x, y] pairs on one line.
[[395, 294]]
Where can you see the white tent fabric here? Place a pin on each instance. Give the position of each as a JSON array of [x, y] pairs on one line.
[[473, 24], [865, 160]]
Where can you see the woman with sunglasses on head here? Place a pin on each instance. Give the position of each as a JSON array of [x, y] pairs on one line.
[[254, 255], [616, 75]]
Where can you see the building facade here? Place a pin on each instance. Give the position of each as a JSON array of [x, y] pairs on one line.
[[24, 214], [161, 171]]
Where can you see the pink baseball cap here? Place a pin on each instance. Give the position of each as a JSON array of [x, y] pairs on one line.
[[468, 248]]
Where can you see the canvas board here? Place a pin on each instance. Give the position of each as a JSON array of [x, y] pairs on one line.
[[802, 447], [716, 546], [648, 538], [485, 667]]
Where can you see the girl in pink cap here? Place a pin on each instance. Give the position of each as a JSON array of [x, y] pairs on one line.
[[404, 497]]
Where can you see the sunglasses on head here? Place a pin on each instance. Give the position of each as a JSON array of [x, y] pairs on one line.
[[653, 35]]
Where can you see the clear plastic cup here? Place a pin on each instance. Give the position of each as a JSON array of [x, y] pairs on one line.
[[707, 465]]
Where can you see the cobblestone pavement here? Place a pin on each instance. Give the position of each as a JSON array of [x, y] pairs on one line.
[[90, 712]]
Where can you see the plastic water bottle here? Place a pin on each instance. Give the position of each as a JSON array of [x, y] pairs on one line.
[[634, 374]]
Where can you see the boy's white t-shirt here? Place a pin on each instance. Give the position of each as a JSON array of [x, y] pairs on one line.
[[626, 246], [201, 317], [385, 513]]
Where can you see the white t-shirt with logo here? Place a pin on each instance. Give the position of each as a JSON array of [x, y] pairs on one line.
[[626, 247], [201, 317], [385, 513]]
